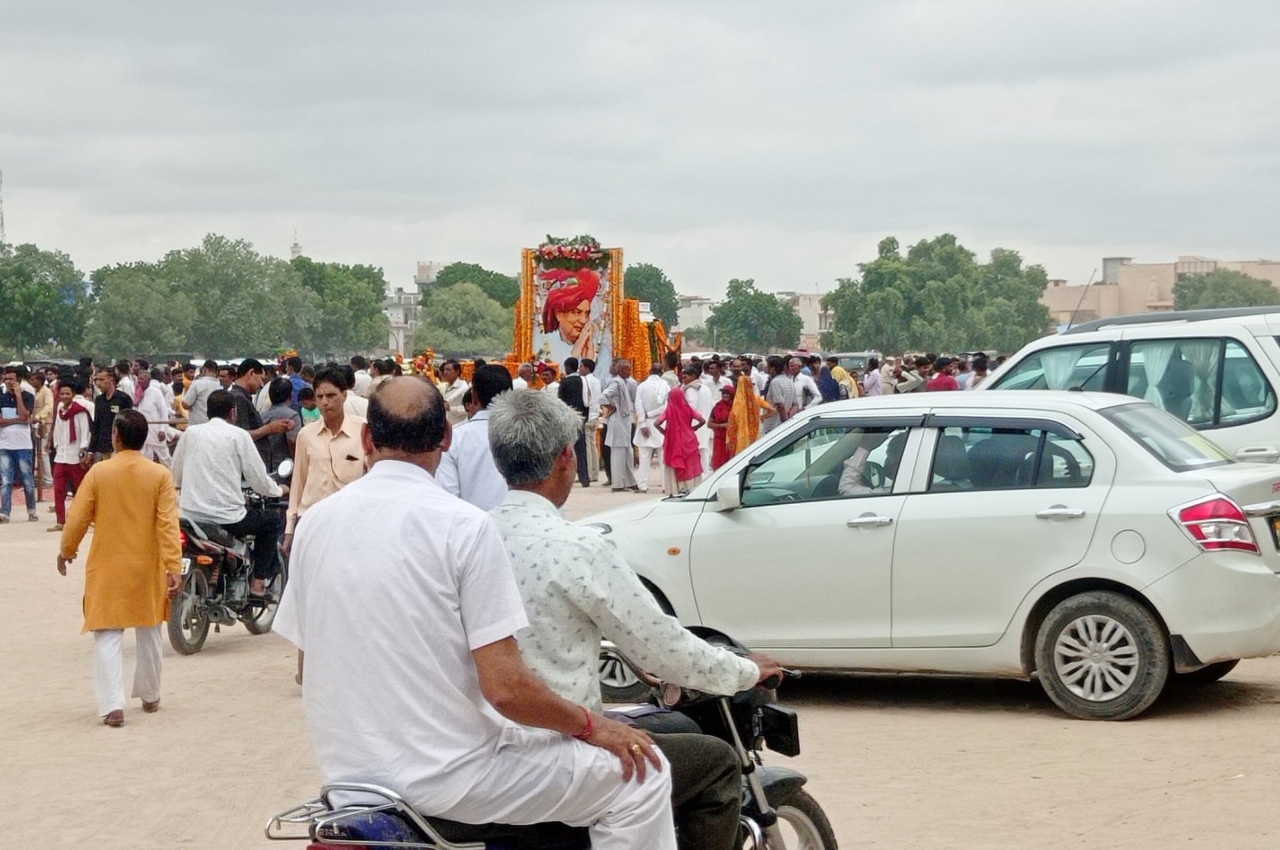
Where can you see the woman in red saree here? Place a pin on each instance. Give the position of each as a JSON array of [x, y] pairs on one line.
[[681, 454], [719, 425]]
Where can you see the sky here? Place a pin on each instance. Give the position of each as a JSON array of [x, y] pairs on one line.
[[774, 141]]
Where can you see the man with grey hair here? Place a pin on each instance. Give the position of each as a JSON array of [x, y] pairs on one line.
[[577, 590]]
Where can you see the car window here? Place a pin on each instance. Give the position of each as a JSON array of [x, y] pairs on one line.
[[1173, 442], [1007, 458], [1207, 383], [1066, 367], [828, 462]]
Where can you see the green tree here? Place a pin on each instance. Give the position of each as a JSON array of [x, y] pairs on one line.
[[751, 320], [241, 302], [136, 312], [41, 299], [349, 306], [461, 321], [1223, 288], [938, 297], [502, 288], [647, 282]]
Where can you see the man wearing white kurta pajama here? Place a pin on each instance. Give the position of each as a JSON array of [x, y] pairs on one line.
[[414, 679]]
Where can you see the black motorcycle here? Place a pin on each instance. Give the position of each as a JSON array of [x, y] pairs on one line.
[[217, 569], [777, 813]]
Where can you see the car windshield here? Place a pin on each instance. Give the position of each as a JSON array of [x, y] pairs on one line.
[[1175, 443]]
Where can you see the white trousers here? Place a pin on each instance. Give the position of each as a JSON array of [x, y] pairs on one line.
[[621, 472], [108, 669], [157, 452], [593, 450], [537, 776], [645, 471]]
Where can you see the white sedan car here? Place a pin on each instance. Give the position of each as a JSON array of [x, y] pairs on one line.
[[1089, 540]]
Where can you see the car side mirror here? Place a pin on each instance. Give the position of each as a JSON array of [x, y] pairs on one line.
[[728, 495]]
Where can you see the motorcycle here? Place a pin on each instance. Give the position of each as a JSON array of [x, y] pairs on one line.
[[777, 813], [217, 569]]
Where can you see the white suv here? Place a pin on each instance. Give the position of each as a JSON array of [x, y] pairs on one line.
[[1088, 539], [1217, 370]]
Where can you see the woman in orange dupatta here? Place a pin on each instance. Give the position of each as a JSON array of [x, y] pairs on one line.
[[744, 417]]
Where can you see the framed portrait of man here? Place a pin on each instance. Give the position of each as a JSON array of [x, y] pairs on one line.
[[571, 296]]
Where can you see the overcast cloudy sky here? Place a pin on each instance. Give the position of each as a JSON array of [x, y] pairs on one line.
[[779, 141]]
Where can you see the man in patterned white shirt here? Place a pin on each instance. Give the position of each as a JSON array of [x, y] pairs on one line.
[[578, 589]]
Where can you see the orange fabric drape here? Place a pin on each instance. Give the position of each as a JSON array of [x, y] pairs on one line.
[[744, 418]]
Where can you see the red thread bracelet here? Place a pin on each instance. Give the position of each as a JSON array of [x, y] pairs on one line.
[[589, 728]]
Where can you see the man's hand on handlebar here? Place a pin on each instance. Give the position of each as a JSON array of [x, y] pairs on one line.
[[769, 669], [632, 746]]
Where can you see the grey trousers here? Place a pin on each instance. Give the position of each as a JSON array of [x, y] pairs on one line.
[[706, 790]]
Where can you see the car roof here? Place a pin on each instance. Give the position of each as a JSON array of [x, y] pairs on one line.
[[1233, 315], [1015, 401]]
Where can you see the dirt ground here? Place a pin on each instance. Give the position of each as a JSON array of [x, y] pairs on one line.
[[895, 761]]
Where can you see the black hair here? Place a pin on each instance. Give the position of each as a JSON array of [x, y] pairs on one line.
[[132, 428], [307, 369], [220, 404], [421, 432], [348, 374], [332, 375], [468, 397], [457, 367], [293, 362], [19, 370], [489, 382], [359, 362], [249, 365], [480, 363], [873, 362], [306, 393], [280, 390], [589, 363], [671, 360], [570, 365]]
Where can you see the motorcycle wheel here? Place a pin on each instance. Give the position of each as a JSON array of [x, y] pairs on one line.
[[188, 619], [618, 684], [804, 825], [260, 621]]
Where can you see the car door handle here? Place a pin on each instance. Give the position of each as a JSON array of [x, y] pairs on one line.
[[870, 521], [1258, 454], [1059, 512]]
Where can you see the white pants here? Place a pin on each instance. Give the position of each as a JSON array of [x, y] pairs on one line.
[[538, 776], [108, 668], [621, 472], [645, 471], [593, 450], [157, 452]]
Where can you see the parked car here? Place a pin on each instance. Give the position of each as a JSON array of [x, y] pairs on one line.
[[1089, 540], [854, 362], [1217, 370]]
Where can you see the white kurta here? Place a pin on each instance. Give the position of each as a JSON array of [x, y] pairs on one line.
[[651, 401]]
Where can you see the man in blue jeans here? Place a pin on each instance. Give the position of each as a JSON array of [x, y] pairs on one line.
[[16, 447]]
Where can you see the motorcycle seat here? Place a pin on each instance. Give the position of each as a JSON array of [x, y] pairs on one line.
[[396, 830]]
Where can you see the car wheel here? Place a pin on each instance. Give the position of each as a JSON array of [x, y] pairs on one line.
[[618, 683], [1102, 656], [1206, 675]]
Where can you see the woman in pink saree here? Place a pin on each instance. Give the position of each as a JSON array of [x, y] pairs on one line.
[[681, 454]]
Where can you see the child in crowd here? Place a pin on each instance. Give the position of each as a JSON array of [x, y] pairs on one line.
[[307, 398]]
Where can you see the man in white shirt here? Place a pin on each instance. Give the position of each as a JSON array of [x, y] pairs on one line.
[[466, 469], [197, 395], [524, 377], [445, 712], [361, 381], [807, 392], [651, 402], [577, 589], [591, 390], [453, 388], [152, 406], [701, 398], [210, 462]]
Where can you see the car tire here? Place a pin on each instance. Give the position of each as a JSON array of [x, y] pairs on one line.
[[1206, 675], [1102, 656], [618, 682]]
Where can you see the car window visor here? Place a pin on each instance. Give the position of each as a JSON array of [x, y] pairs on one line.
[[1058, 429]]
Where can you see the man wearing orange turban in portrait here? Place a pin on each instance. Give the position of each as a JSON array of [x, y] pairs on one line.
[[568, 308]]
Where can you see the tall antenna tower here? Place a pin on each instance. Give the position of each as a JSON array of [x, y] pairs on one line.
[[2, 239]]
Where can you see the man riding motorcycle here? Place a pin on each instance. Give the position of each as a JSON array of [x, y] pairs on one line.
[[577, 589], [209, 465]]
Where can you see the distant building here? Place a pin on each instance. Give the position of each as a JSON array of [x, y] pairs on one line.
[[403, 307], [1128, 287], [692, 312], [815, 320]]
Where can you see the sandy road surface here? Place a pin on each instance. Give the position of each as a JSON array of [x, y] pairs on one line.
[[896, 762]]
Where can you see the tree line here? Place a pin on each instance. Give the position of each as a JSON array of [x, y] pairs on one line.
[[220, 298]]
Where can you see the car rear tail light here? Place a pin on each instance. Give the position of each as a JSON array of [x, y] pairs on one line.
[[1216, 523], [182, 537]]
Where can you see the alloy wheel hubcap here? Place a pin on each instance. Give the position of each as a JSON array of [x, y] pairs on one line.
[[1096, 658]]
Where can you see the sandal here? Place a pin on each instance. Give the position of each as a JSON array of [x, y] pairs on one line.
[[55, 527], [115, 719], [151, 707]]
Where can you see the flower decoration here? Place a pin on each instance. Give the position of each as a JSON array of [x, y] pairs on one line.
[[572, 253]]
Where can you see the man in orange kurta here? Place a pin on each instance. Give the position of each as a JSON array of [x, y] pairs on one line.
[[134, 565]]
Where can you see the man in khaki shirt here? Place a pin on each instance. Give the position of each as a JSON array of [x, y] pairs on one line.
[[328, 455]]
